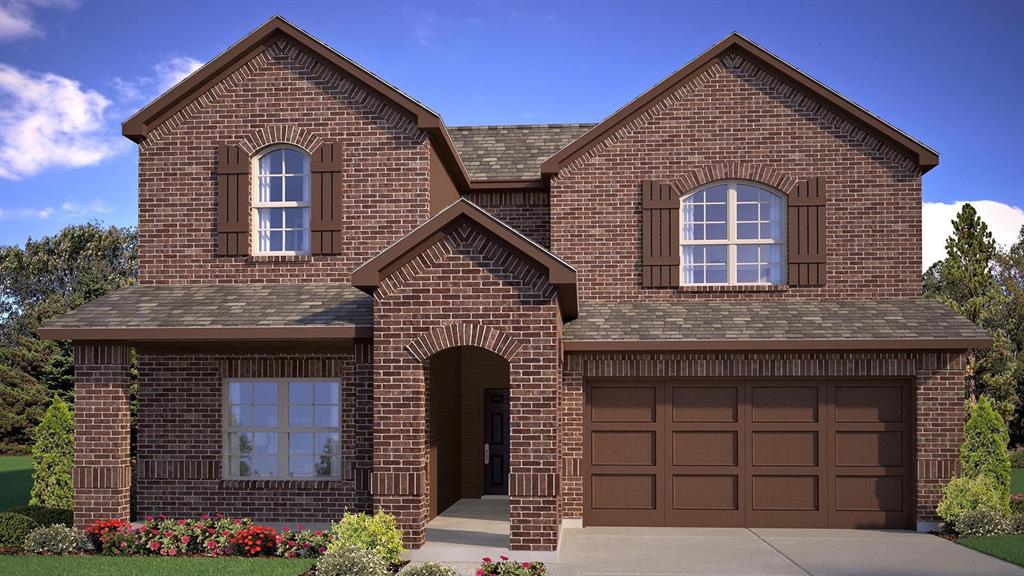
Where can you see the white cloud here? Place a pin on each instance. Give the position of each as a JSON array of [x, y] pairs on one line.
[[16, 17], [69, 210], [48, 120], [165, 74], [1004, 220], [25, 213], [77, 210]]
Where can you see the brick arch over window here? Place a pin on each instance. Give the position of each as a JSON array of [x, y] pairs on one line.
[[464, 334], [690, 180], [254, 141]]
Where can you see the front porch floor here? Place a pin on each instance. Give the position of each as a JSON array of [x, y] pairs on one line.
[[469, 530]]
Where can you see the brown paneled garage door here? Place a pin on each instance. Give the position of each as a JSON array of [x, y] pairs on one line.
[[757, 453]]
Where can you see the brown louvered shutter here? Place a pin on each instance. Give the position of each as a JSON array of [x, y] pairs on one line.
[[232, 201], [660, 235], [807, 239], [326, 200]]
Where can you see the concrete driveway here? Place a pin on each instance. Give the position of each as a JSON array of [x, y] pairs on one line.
[[767, 552]]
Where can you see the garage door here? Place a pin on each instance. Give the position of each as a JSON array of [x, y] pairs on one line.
[[758, 453]]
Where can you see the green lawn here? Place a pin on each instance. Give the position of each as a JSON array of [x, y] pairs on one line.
[[149, 566], [15, 481], [1009, 547], [1017, 481]]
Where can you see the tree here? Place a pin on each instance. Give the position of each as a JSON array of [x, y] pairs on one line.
[[965, 281], [53, 457], [43, 280], [984, 451], [1010, 277]]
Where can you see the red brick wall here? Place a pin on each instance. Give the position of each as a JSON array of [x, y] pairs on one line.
[[529, 212], [282, 95], [736, 121], [938, 401], [467, 290], [180, 437], [102, 473]]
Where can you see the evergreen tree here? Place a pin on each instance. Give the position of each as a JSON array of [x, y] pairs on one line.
[[53, 458]]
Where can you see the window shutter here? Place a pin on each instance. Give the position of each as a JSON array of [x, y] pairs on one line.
[[807, 238], [233, 201], [660, 235], [325, 217]]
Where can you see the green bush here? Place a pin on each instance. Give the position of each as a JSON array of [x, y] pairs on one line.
[[57, 539], [378, 534], [981, 523], [351, 561], [1017, 457], [53, 457], [1016, 523], [45, 516], [964, 494], [428, 569], [14, 528], [984, 451]]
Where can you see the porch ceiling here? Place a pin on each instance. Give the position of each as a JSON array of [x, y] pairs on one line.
[[220, 312]]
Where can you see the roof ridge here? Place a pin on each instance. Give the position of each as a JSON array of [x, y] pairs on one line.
[[497, 126]]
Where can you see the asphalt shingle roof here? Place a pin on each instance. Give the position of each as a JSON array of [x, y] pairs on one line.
[[511, 152], [224, 306], [769, 320]]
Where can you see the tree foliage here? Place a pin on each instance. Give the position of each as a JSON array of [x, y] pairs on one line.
[[53, 457], [43, 280], [984, 451]]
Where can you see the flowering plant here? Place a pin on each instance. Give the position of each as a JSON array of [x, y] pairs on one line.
[[214, 534], [124, 541], [255, 541], [506, 567], [301, 543], [168, 537], [96, 530]]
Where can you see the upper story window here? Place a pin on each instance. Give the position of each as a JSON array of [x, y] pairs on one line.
[[282, 201], [732, 233]]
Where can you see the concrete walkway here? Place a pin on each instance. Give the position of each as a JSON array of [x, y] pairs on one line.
[[767, 552]]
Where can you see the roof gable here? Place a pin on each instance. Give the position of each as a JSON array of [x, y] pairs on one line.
[[561, 275], [138, 126], [925, 157]]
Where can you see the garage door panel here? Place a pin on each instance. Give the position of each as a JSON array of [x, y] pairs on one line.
[[869, 493], [705, 448], [624, 491], [705, 492], [868, 403], [624, 403], [705, 403], [785, 493], [623, 447], [869, 448], [784, 403], [784, 448]]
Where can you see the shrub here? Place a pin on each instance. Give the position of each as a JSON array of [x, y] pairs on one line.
[[506, 567], [96, 530], [1017, 503], [53, 457], [169, 537], [56, 539], [1017, 457], [984, 451], [964, 494], [211, 536], [1015, 523], [121, 541], [301, 543], [351, 561], [45, 516], [378, 533], [14, 528], [255, 541], [981, 522], [428, 569]]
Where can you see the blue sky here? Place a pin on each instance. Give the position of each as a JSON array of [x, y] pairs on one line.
[[72, 70]]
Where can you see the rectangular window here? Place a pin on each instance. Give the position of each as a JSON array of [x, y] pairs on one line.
[[282, 202], [282, 429]]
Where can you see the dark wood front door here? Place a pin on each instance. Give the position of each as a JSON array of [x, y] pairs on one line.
[[496, 431]]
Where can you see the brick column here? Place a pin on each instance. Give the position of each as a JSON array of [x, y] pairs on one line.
[[939, 401], [102, 474]]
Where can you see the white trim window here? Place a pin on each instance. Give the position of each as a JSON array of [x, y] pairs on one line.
[[281, 202], [282, 429], [733, 232]]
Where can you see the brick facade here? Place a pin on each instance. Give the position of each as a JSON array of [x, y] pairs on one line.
[[704, 131], [529, 212], [465, 289], [180, 437]]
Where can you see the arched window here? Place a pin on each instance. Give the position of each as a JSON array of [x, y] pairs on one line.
[[282, 201], [733, 232]]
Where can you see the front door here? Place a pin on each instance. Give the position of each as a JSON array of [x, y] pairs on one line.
[[496, 431]]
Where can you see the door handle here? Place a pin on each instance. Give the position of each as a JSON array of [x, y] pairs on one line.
[[487, 453]]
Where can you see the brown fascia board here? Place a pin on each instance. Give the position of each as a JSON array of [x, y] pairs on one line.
[[182, 94], [490, 185], [926, 157], [560, 274], [208, 334], [772, 345]]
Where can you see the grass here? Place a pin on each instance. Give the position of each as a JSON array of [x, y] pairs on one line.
[[1009, 547], [15, 481], [1017, 481], [150, 566]]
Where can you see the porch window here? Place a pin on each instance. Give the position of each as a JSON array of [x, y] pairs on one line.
[[282, 201], [282, 429], [732, 233]]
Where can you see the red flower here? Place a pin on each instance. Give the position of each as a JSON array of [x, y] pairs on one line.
[[503, 558]]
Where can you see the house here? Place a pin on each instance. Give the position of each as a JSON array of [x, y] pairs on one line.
[[704, 310]]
